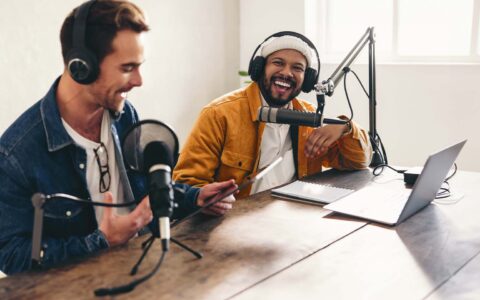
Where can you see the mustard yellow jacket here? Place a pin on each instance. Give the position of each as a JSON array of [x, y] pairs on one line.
[[226, 138]]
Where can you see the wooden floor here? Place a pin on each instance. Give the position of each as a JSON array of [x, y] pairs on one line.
[[267, 248]]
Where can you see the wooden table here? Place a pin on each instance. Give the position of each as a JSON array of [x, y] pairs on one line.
[[267, 248], [434, 255]]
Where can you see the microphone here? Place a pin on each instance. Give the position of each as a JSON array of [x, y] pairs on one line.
[[158, 159], [294, 117]]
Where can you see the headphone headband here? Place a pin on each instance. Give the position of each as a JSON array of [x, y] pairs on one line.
[[80, 24]]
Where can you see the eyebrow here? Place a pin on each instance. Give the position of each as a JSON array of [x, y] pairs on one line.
[[303, 65], [132, 64]]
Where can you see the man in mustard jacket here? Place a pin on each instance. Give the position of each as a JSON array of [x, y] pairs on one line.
[[229, 142]]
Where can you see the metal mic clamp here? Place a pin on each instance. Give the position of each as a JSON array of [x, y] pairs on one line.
[[326, 87]]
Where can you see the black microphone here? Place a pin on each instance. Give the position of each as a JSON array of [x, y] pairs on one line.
[[293, 117], [158, 159]]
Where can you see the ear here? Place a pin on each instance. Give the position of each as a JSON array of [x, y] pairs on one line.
[[255, 69], [309, 80]]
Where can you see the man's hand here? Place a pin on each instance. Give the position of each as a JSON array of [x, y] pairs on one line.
[[210, 190], [119, 229], [322, 138]]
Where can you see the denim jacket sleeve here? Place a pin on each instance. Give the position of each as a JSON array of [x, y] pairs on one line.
[[186, 199], [16, 223]]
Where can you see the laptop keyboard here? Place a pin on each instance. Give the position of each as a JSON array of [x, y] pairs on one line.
[[373, 202]]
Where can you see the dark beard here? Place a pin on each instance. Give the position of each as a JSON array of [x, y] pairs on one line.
[[265, 89]]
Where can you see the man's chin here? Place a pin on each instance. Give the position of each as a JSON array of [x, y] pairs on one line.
[[117, 108], [277, 102]]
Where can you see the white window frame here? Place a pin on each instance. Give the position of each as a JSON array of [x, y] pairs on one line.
[[316, 22]]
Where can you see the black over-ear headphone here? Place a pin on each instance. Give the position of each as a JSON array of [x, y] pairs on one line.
[[82, 64], [257, 63]]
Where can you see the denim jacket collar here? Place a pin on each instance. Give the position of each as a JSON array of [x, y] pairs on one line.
[[57, 136]]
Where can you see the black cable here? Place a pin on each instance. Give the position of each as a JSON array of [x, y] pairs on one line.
[[361, 84], [130, 286], [455, 168], [443, 192], [382, 167], [134, 269], [83, 201], [346, 93], [373, 138], [381, 151]]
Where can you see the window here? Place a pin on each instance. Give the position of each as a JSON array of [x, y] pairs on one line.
[[406, 30]]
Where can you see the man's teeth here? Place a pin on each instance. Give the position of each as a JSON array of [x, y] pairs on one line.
[[281, 83]]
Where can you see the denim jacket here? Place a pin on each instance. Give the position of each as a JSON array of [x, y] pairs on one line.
[[38, 155]]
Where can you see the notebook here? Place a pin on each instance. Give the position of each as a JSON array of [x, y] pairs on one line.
[[311, 192], [392, 203]]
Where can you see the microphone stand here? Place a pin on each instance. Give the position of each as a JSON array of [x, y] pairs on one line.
[[40, 200], [327, 87], [148, 243]]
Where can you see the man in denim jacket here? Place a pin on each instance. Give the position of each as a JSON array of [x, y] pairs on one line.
[[68, 142]]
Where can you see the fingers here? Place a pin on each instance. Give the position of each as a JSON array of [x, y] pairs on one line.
[[230, 199], [107, 211], [321, 146], [212, 189], [222, 207], [145, 203], [215, 211], [142, 214], [223, 185], [321, 139], [210, 212]]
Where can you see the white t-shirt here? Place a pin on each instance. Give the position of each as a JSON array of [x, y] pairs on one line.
[[276, 142], [92, 167]]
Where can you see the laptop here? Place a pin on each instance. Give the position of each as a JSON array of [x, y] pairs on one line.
[[391, 202]]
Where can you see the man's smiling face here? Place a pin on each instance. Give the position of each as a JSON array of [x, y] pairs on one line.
[[283, 76]]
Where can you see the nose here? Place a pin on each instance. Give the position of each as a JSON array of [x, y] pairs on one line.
[[286, 71], [136, 79]]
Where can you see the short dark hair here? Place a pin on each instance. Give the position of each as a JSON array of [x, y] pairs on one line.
[[105, 19]]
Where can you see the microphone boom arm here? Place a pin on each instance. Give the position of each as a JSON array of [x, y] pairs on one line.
[[327, 87]]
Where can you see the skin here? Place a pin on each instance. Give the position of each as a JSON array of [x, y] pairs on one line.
[[82, 107], [282, 81], [221, 207], [283, 77]]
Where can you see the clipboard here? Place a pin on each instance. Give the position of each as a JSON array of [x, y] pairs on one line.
[[228, 192]]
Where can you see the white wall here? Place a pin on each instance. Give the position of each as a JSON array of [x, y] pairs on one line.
[[421, 108], [192, 56], [195, 49]]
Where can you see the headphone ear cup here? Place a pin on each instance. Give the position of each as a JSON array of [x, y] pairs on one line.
[[255, 69], [309, 80], [82, 66]]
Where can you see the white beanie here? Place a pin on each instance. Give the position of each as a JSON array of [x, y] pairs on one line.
[[274, 44]]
